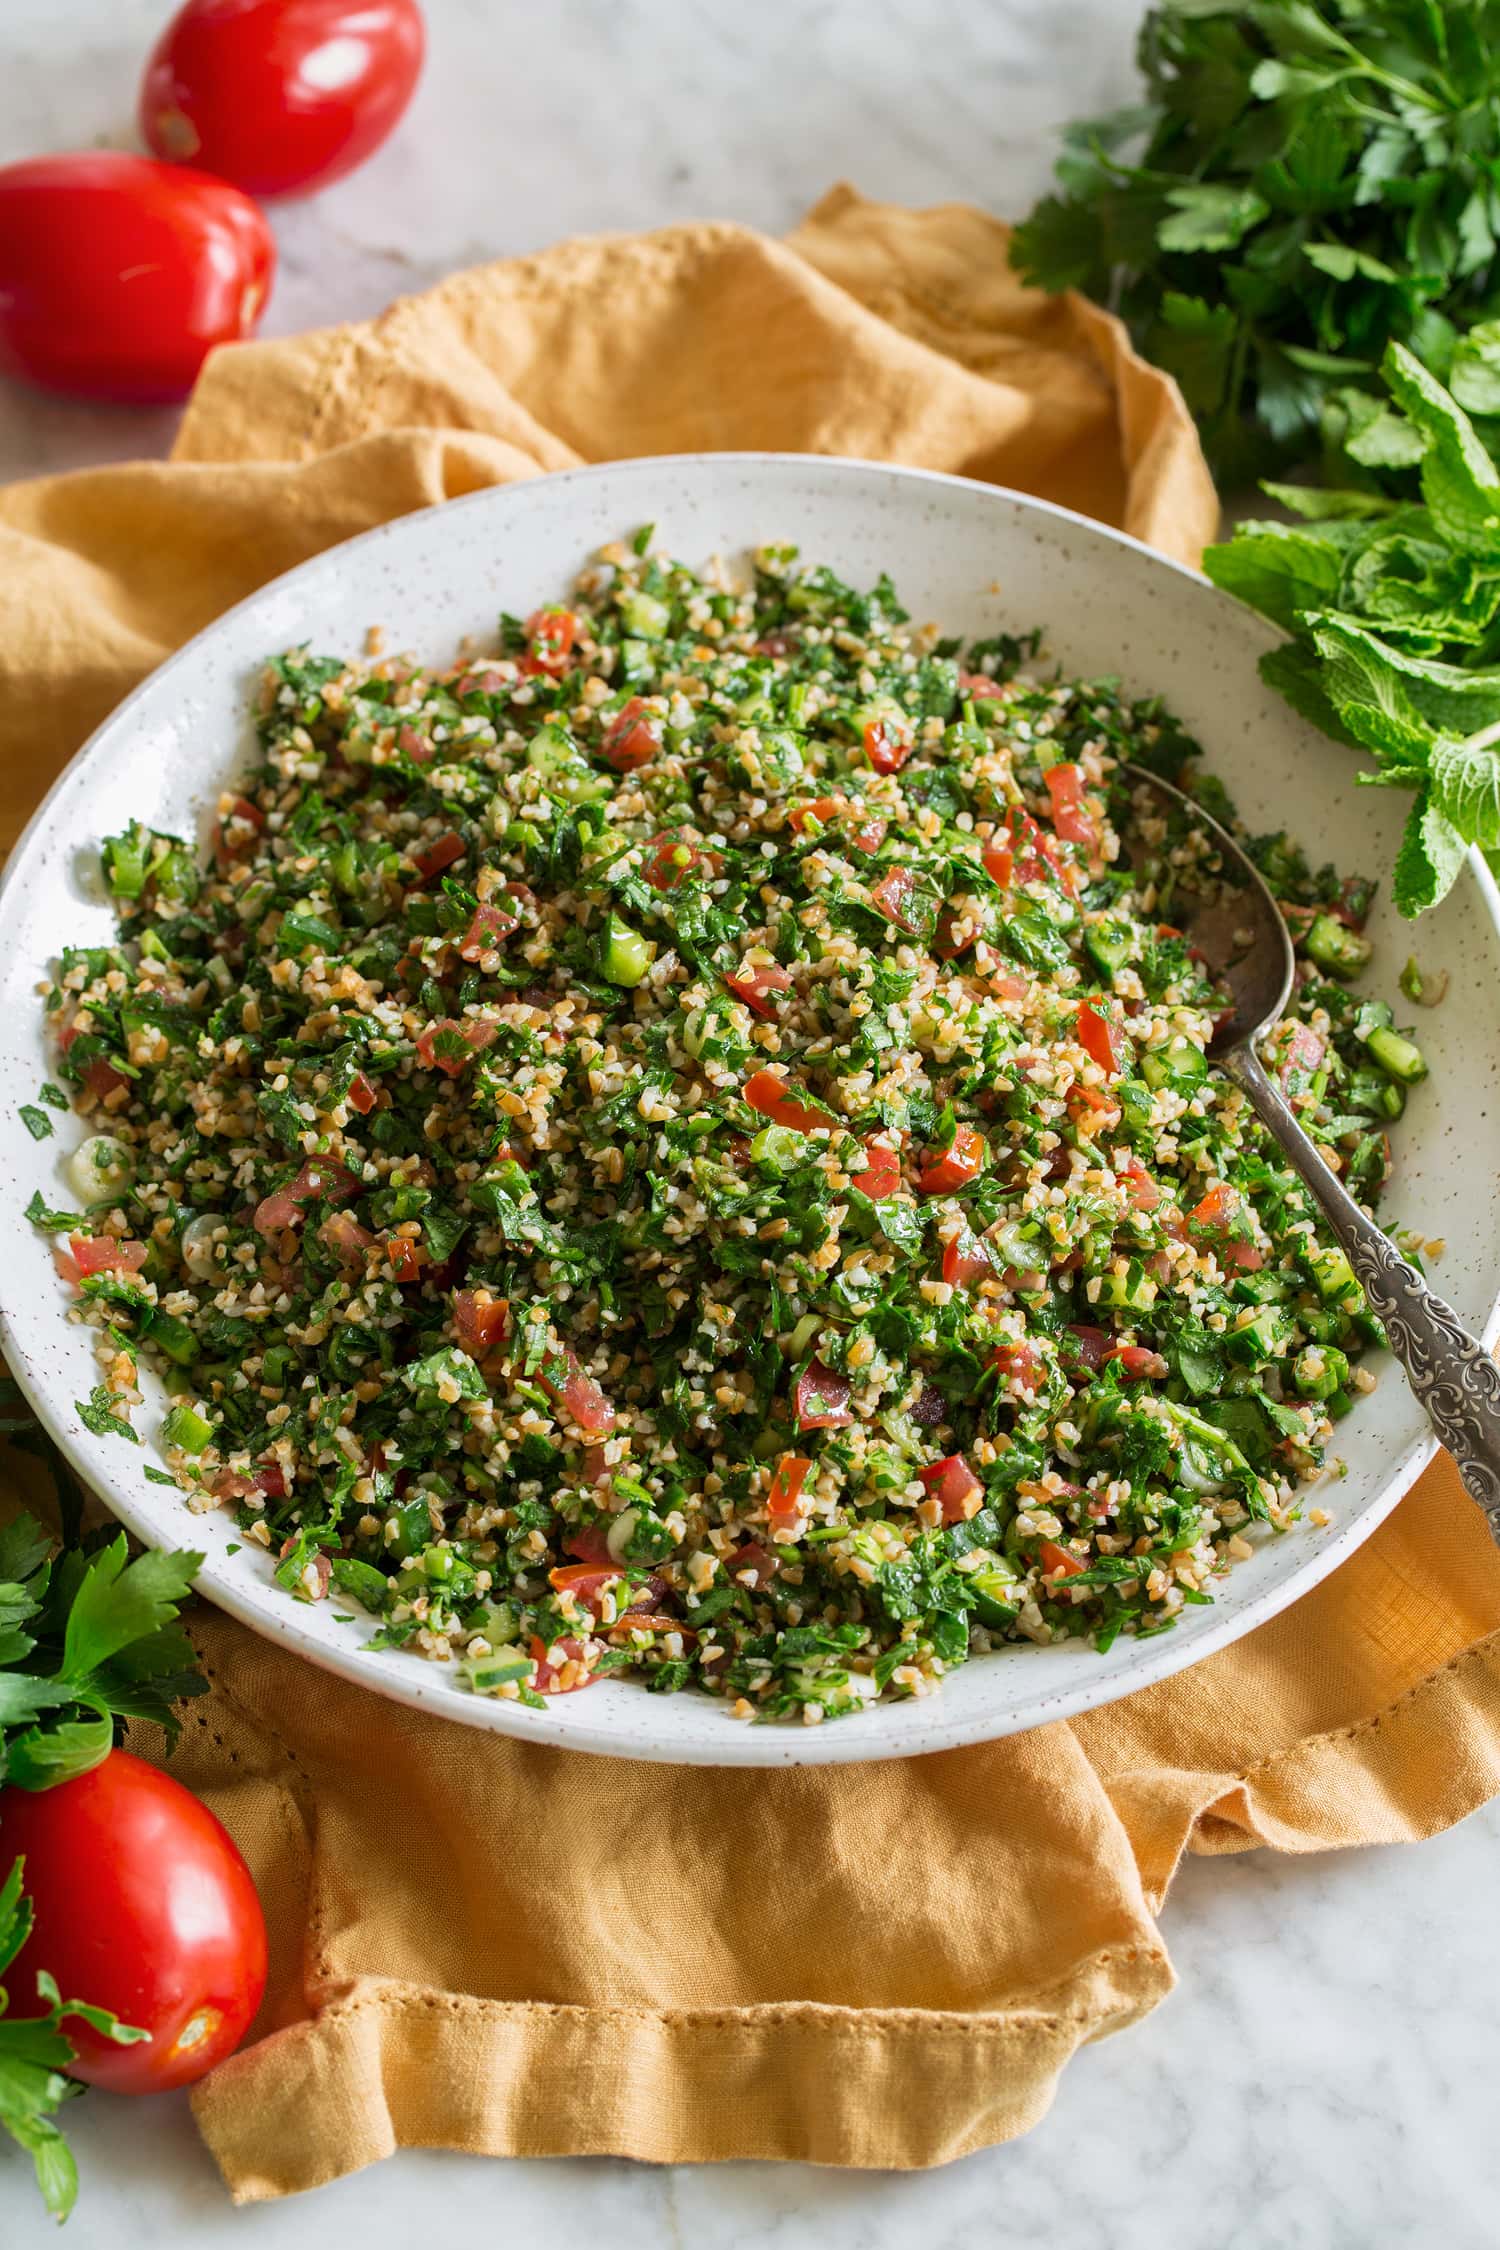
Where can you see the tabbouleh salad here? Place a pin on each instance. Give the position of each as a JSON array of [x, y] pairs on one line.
[[682, 1148]]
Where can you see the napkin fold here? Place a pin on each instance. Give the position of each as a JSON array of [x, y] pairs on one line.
[[484, 1945]]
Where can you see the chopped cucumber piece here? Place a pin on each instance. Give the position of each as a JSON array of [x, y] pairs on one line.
[[643, 616], [1398, 1058], [185, 1428], [1333, 1277], [1179, 1065], [624, 955], [1338, 950], [1263, 1336], [1319, 1370], [100, 1168]]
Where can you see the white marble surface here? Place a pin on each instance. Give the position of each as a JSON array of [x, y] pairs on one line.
[[1323, 2078]]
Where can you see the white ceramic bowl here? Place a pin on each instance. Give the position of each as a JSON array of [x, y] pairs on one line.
[[975, 559]]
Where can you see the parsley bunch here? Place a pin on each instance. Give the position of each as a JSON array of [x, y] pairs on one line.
[[1394, 610], [86, 1639], [1308, 181]]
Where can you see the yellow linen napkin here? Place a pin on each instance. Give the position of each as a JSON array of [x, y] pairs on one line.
[[482, 1945]]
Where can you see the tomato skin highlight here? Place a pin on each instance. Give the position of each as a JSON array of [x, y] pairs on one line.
[[119, 275], [143, 1906], [1058, 1563], [280, 96]]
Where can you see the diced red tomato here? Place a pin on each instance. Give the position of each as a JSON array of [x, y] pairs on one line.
[[590, 1543], [671, 862], [961, 1161], [475, 1035], [1009, 986], [492, 922], [774, 644], [772, 1097], [432, 858], [632, 737], [783, 1504], [578, 1395], [100, 1253], [892, 896], [1069, 814], [1020, 1363], [405, 1258], [550, 634], [753, 1556], [867, 835], [586, 1583], [821, 1398], [1100, 1039], [946, 942], [362, 1095], [1303, 1055], [1143, 1190], [888, 744], [346, 1238], [547, 1678], [320, 1177], [966, 1259], [1222, 1215], [882, 1173], [953, 1484], [418, 747], [101, 1077], [1090, 1344], [1137, 1362], [1023, 855], [756, 985], [270, 1478], [978, 687], [238, 829], [481, 1320], [1057, 1562]]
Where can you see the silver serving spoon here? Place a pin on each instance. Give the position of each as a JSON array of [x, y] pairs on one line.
[[1245, 942]]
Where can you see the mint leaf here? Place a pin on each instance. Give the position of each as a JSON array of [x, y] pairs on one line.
[[1465, 785], [1428, 863], [1277, 569], [1459, 482]]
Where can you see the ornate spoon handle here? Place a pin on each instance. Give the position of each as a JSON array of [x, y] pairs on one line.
[[1454, 1378]]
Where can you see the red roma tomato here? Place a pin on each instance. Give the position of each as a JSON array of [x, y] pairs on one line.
[[118, 276], [143, 1906], [280, 96]]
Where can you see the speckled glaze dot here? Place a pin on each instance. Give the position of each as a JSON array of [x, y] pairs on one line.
[[1108, 605]]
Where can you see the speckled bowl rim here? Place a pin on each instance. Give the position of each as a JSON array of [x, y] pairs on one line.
[[867, 1737]]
